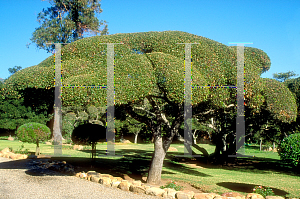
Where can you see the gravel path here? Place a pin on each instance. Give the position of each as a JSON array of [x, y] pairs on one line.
[[19, 180]]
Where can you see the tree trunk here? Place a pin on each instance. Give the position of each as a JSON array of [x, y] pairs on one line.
[[160, 150], [154, 175], [260, 144], [224, 143], [160, 146], [37, 150], [194, 136], [94, 144], [273, 145], [136, 136]]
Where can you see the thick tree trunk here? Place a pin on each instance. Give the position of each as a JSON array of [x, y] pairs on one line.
[[160, 150], [154, 175], [160, 146]]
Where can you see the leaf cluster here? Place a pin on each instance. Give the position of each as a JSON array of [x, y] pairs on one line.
[[87, 134], [290, 149], [66, 21], [33, 132], [160, 58]]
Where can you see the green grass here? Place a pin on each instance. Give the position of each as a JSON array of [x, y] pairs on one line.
[[135, 159]]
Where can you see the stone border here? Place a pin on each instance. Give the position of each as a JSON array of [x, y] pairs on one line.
[[139, 187], [168, 193]]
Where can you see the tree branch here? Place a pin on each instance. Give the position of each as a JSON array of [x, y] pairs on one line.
[[136, 116], [141, 108]]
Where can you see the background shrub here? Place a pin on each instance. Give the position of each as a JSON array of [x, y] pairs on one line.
[[33, 133], [290, 149], [89, 134], [68, 123]]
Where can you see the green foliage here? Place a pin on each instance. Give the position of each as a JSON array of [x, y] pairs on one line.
[[148, 67], [264, 191], [87, 134], [294, 86], [20, 106], [172, 185], [68, 125], [74, 116], [290, 149], [14, 69], [66, 21], [14, 113], [33, 132], [136, 69], [283, 106], [20, 150], [284, 76]]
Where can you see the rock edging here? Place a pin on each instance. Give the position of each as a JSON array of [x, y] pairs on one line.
[[168, 193], [6, 153]]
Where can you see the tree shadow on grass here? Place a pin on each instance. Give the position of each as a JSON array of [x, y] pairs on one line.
[[135, 164], [248, 165], [254, 164], [247, 188]]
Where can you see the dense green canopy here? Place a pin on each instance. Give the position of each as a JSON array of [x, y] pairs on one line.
[[148, 60]]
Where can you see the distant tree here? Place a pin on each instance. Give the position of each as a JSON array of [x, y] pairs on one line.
[[294, 86], [72, 117], [66, 21], [89, 134], [19, 108], [13, 113], [284, 76], [14, 69]]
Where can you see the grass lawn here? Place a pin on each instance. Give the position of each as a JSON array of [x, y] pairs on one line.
[[133, 160]]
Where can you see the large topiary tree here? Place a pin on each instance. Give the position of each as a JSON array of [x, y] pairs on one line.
[[150, 66]]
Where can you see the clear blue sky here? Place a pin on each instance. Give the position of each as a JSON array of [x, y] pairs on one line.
[[272, 25]]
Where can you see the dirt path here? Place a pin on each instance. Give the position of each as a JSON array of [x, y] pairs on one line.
[[18, 180]]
